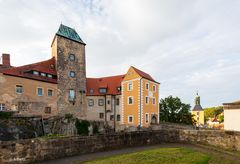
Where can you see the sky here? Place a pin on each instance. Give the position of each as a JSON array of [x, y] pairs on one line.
[[187, 45]]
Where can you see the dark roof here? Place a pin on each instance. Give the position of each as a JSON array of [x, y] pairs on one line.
[[197, 108], [47, 66], [111, 83], [69, 33], [144, 74]]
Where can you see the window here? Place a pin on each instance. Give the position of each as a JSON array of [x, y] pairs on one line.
[[91, 90], [100, 102], [49, 75], [130, 119], [147, 86], [90, 102], [154, 88], [2, 107], [72, 74], [101, 115], [197, 113], [102, 90], [50, 92], [47, 109], [111, 117], [43, 74], [130, 86], [130, 100], [147, 118], [118, 117], [108, 102], [19, 89], [154, 101], [146, 100], [35, 72], [72, 95], [71, 57], [117, 101], [40, 91]]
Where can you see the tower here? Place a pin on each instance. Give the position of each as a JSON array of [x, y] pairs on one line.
[[198, 112], [69, 52]]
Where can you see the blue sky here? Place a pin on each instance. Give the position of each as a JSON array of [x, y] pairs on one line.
[[186, 45]]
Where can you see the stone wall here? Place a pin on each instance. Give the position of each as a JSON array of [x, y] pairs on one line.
[[40, 149]]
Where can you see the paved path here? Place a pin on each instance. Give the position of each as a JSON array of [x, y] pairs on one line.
[[92, 156]]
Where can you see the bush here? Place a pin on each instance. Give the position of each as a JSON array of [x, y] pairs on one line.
[[5, 115], [95, 129], [82, 126]]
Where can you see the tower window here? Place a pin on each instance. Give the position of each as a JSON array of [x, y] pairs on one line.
[[146, 100], [72, 74], [147, 86], [130, 86], [72, 57], [130, 119], [72, 95]]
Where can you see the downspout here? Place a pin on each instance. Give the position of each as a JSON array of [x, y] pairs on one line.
[[140, 91], [114, 113], [105, 103]]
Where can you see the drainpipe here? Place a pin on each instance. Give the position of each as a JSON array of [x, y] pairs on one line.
[[140, 92], [114, 113], [105, 103]]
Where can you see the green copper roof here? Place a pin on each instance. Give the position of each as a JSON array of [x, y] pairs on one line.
[[69, 33]]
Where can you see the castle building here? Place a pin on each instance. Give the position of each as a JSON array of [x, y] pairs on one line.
[[231, 116], [59, 86], [198, 112]]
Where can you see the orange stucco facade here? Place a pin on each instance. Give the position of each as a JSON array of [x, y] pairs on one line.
[[136, 110]]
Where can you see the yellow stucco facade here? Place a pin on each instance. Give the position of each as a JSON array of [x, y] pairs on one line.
[[198, 117]]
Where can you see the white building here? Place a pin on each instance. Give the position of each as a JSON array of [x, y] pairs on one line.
[[232, 116]]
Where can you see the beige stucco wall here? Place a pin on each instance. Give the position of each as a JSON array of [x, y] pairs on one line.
[[94, 111], [37, 105], [232, 119]]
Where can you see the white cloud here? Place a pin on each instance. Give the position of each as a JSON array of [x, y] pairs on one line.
[[186, 45]]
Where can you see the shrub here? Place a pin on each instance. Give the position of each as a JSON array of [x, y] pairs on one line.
[[82, 126], [5, 115]]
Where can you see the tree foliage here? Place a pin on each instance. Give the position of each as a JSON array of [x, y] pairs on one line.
[[212, 112], [173, 110]]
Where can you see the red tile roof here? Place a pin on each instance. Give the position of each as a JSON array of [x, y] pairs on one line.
[[144, 75], [47, 66], [111, 83]]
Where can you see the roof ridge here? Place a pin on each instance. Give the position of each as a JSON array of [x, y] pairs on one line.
[[105, 76]]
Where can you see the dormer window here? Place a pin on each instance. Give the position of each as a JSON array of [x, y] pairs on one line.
[[72, 57], [91, 90], [49, 75], [43, 74], [103, 90], [35, 72], [118, 89]]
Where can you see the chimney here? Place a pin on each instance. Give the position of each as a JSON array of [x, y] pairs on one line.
[[6, 59]]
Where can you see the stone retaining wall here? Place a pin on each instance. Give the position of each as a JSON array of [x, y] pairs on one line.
[[39, 149]]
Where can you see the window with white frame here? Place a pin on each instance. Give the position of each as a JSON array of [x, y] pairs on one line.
[[50, 93], [72, 95], [90, 102], [100, 102], [130, 86], [19, 89], [43, 74], [154, 88], [146, 99], [40, 91], [130, 119], [35, 72], [154, 101], [147, 86], [130, 100], [147, 118], [2, 107]]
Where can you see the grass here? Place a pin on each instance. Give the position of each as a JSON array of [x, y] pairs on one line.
[[164, 155]]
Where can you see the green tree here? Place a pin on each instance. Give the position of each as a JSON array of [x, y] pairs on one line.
[[82, 126], [212, 112], [173, 110]]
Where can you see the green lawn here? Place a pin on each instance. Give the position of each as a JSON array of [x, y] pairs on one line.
[[164, 155]]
